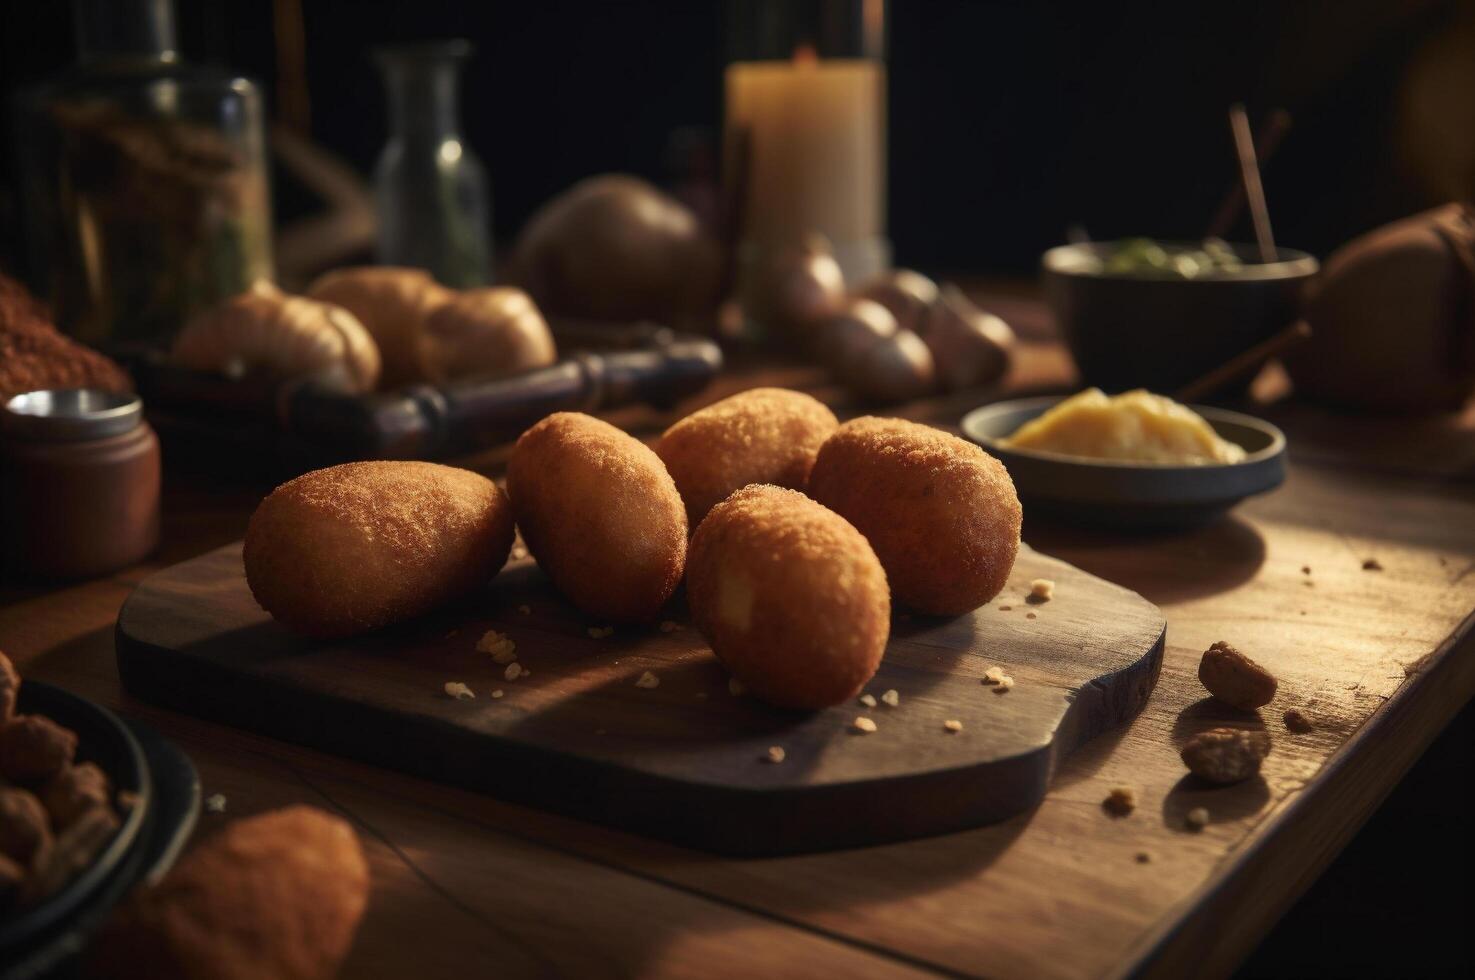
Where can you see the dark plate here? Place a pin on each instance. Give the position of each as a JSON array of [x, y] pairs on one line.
[[1131, 496], [44, 941]]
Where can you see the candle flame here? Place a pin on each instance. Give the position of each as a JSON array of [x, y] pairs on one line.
[[805, 57]]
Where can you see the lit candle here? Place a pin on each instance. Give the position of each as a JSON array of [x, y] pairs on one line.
[[816, 162]]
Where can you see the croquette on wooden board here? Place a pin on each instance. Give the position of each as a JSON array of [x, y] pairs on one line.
[[637, 726]]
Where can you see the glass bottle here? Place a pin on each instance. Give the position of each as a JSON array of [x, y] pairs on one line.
[[429, 187], [144, 179]]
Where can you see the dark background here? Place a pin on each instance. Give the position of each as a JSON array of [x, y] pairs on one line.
[[1009, 121]]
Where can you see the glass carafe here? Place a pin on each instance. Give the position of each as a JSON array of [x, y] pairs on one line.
[[144, 179], [430, 189]]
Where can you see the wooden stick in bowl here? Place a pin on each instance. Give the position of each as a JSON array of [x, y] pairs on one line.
[[1249, 171]]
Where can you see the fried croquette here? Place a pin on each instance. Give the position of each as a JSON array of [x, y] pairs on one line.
[[790, 596], [600, 514], [765, 435], [941, 513], [352, 548]]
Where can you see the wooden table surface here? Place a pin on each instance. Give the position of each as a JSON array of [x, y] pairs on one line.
[[1379, 660]]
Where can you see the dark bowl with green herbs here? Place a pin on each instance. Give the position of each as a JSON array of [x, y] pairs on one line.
[[1137, 313]]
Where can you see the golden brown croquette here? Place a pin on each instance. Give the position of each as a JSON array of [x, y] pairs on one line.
[[765, 435], [790, 596], [355, 547], [600, 514], [941, 513]]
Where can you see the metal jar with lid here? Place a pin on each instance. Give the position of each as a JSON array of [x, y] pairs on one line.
[[80, 473]]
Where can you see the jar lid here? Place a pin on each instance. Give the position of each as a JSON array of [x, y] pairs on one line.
[[70, 414]]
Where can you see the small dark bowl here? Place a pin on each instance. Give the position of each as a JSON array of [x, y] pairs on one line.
[[1140, 331], [1131, 496]]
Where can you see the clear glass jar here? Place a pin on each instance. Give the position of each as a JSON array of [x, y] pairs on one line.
[[145, 181], [429, 187], [805, 128]]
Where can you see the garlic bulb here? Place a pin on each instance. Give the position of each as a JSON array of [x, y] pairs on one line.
[[268, 331], [393, 304], [484, 332]]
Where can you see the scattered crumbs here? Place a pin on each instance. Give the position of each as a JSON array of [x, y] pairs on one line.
[[993, 675], [1030, 616], [1309, 584], [952, 725], [701, 695], [127, 799], [1197, 818], [600, 632], [863, 725], [514, 671], [1041, 590], [1005, 608], [736, 687], [499, 645], [775, 754], [869, 700], [1296, 721], [215, 803], [648, 680], [519, 553], [1143, 857], [1372, 565], [669, 626], [459, 691], [1121, 801], [497, 693], [1305, 569], [525, 609], [1006, 683], [1303, 612]]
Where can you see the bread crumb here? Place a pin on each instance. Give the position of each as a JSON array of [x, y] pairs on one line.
[[775, 754], [869, 700], [459, 691], [525, 609], [1006, 683], [648, 680], [952, 725], [1372, 565], [215, 803], [1121, 801], [1296, 721], [736, 687], [514, 671], [1305, 569], [1309, 584], [993, 675], [863, 725], [1143, 857], [499, 645], [497, 693], [891, 698], [1030, 616], [669, 626], [1197, 818], [600, 632], [1041, 590], [1005, 608]]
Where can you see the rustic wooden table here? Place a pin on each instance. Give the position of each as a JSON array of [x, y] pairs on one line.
[[1379, 659]]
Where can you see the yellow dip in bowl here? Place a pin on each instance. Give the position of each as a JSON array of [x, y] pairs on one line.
[[1135, 426]]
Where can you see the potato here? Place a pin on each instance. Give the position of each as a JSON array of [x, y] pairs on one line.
[[791, 597], [765, 435], [356, 547], [601, 515], [941, 513]]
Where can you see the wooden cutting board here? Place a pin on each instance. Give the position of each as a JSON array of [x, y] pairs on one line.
[[682, 761]]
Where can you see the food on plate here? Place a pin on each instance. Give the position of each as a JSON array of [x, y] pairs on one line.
[[941, 514], [33, 747], [600, 514], [35, 355], [790, 596], [1136, 426], [613, 247], [1225, 755], [355, 547], [277, 896], [266, 330], [764, 435], [1144, 257], [427, 332], [1392, 318], [1234, 678]]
